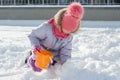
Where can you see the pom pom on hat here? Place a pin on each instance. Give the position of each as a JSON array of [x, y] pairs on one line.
[[72, 16], [75, 9]]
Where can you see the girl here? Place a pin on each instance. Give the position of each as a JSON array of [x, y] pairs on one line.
[[55, 35]]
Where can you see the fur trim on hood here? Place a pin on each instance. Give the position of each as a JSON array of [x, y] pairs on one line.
[[58, 17]]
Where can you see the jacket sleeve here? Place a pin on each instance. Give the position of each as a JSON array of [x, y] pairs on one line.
[[37, 35], [65, 52]]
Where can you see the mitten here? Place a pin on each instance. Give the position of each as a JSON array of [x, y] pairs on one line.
[[31, 63], [36, 48], [53, 62]]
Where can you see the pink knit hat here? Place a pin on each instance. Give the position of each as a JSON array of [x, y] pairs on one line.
[[72, 16]]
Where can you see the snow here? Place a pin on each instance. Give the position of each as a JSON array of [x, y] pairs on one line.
[[95, 55]]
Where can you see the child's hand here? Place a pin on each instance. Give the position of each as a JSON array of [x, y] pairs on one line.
[[31, 64], [54, 62], [37, 48]]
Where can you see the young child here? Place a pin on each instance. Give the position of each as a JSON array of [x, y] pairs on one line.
[[55, 35]]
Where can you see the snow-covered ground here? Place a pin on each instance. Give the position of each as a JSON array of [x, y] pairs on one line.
[[95, 56]]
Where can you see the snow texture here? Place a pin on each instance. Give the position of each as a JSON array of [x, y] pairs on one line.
[[95, 55]]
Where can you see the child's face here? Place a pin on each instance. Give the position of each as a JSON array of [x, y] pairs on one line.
[[66, 31]]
